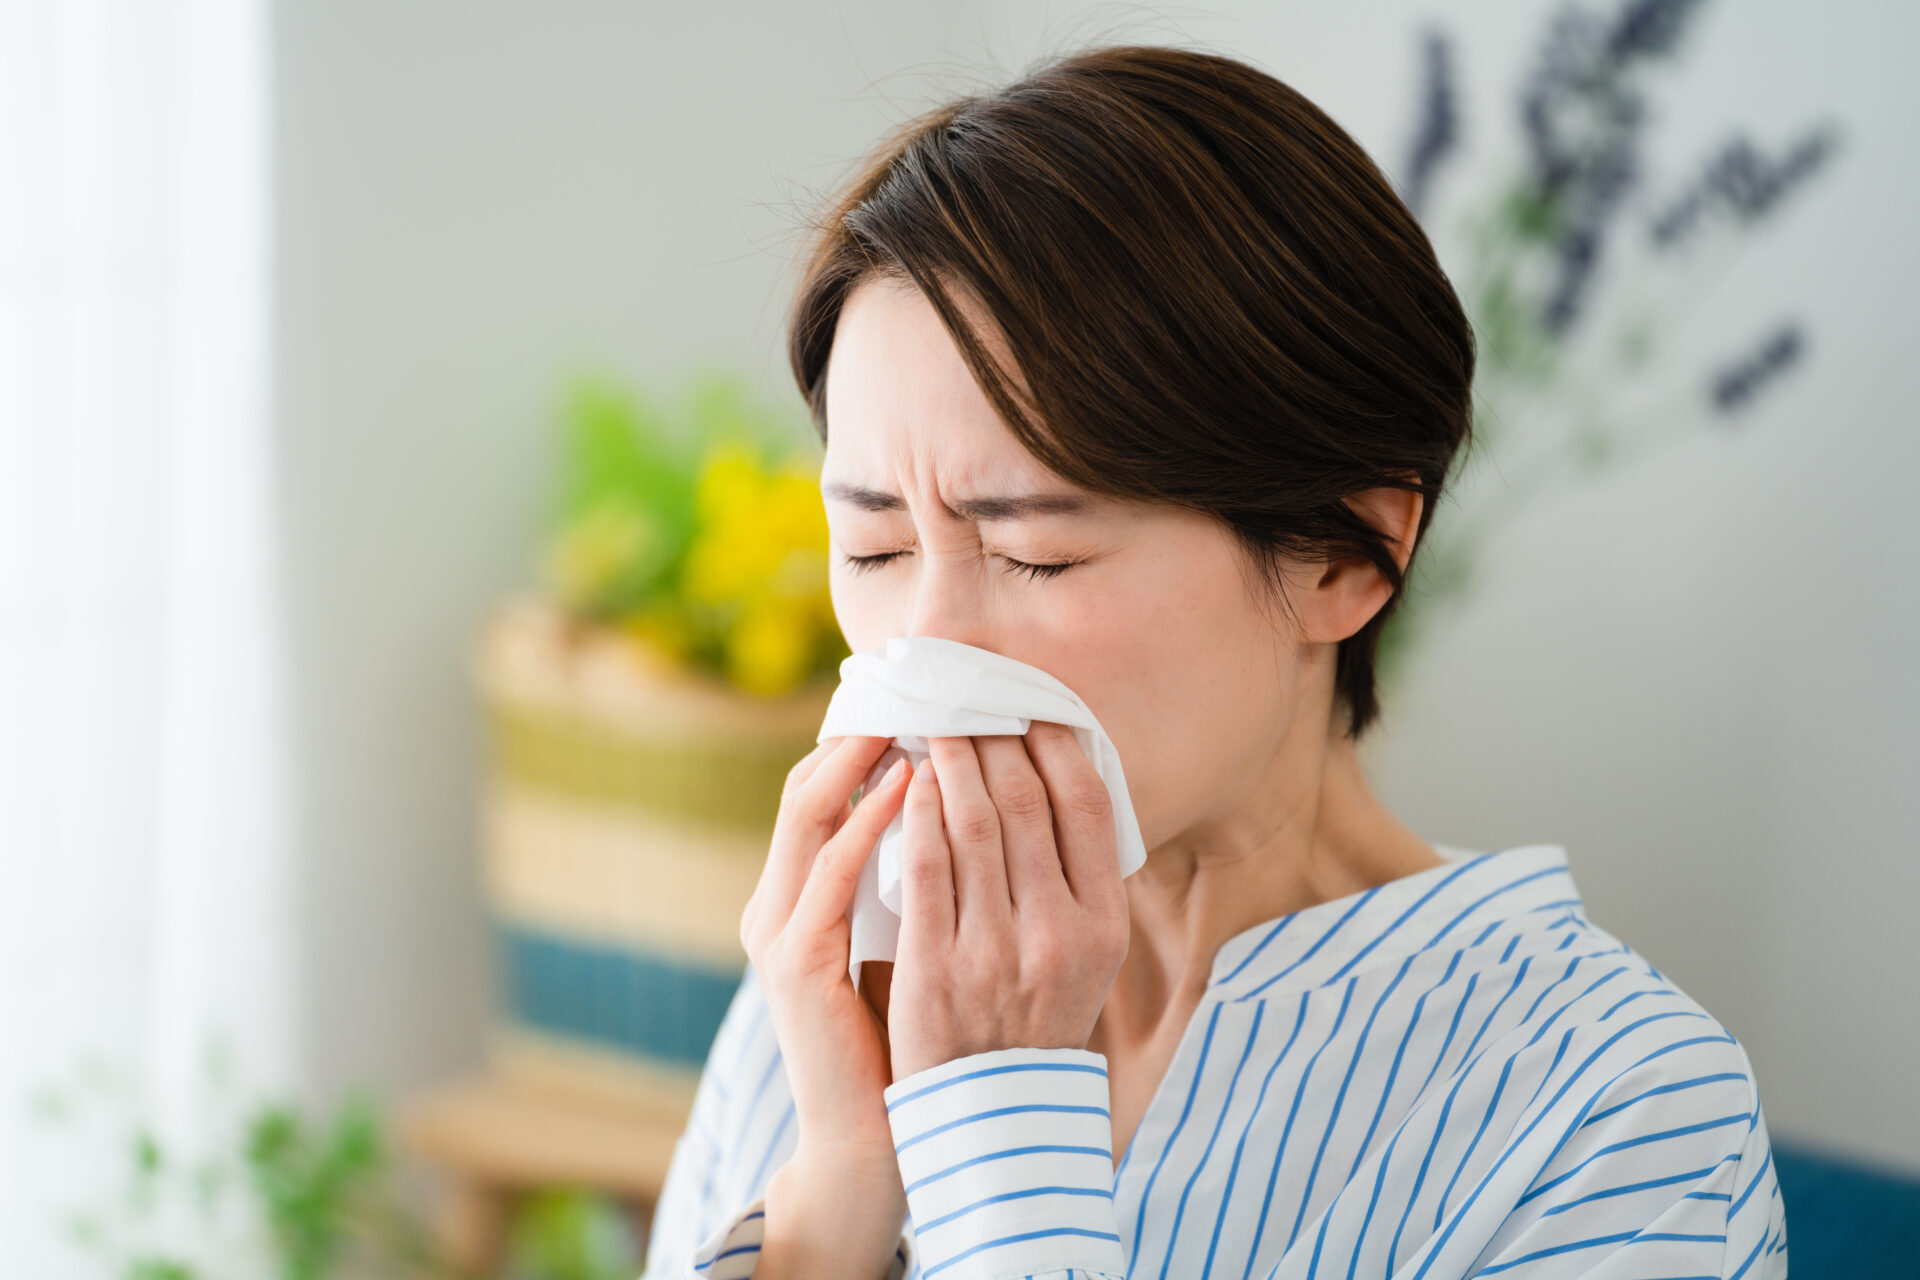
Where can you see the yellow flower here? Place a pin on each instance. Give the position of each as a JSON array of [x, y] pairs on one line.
[[792, 503], [727, 563], [729, 487], [759, 559], [595, 549], [666, 632], [770, 648], [801, 574]]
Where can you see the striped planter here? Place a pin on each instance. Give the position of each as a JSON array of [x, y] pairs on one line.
[[626, 815]]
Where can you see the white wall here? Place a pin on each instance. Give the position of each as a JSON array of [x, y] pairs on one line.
[[1696, 673], [470, 199]]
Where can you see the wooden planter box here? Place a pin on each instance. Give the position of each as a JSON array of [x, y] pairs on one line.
[[626, 815]]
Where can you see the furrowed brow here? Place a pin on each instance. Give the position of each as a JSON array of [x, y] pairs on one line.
[[1013, 507]]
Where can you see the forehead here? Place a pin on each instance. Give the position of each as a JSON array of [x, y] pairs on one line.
[[900, 394]]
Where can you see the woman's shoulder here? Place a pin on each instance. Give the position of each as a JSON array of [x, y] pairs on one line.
[[1645, 1012], [1634, 1115], [1602, 1022], [1583, 1059]]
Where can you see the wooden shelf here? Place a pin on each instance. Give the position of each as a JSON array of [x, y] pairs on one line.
[[492, 1139]]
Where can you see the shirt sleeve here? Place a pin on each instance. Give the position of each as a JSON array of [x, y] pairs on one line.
[[1668, 1171], [1007, 1159], [733, 1249], [691, 1212], [697, 1231]]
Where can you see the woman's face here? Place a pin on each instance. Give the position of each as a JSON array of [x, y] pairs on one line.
[[1152, 623]]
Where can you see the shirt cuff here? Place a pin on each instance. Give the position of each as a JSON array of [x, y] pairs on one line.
[[1007, 1157], [733, 1250]]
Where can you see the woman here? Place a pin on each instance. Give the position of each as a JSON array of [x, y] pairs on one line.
[[1137, 370]]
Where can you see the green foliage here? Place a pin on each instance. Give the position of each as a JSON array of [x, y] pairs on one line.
[[629, 471], [314, 1182], [696, 531], [571, 1234], [160, 1269], [1575, 284], [626, 494], [289, 1194]]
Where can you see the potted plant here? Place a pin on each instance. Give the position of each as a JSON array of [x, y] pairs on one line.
[[1579, 265], [643, 707]]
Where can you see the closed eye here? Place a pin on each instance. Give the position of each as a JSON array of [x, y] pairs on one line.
[[862, 564]]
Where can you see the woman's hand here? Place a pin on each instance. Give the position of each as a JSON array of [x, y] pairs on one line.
[[795, 931], [1014, 919]]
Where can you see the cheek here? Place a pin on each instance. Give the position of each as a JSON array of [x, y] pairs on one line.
[[1186, 679], [1184, 722], [860, 609]]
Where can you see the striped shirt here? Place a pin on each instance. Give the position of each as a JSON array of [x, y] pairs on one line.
[[1451, 1074]]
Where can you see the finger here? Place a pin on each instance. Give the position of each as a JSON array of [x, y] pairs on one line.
[[1082, 815], [804, 767], [835, 873], [973, 833], [926, 865], [812, 807], [1026, 820], [796, 777]]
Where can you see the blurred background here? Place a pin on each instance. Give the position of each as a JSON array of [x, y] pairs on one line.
[[413, 570]]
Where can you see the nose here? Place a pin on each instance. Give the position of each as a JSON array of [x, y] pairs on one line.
[[946, 602]]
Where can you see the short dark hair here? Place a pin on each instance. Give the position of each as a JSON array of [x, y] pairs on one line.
[[1213, 296]]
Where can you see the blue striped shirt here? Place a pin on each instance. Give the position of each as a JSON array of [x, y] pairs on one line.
[[1451, 1074]]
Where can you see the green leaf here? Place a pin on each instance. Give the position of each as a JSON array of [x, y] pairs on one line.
[[571, 1234], [146, 1154], [159, 1269], [625, 501], [1531, 215]]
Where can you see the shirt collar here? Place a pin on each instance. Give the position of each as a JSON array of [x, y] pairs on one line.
[[1453, 903]]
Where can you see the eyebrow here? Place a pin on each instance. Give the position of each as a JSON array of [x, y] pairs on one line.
[[1017, 507]]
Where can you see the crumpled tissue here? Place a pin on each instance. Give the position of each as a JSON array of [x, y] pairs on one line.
[[913, 688]]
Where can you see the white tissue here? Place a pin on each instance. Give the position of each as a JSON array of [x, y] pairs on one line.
[[914, 688]]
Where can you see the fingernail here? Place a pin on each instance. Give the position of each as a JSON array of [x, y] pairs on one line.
[[926, 770], [893, 774]]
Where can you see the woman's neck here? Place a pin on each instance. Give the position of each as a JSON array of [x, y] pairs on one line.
[[1313, 832]]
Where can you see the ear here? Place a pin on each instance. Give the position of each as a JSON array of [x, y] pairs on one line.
[[1346, 593]]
